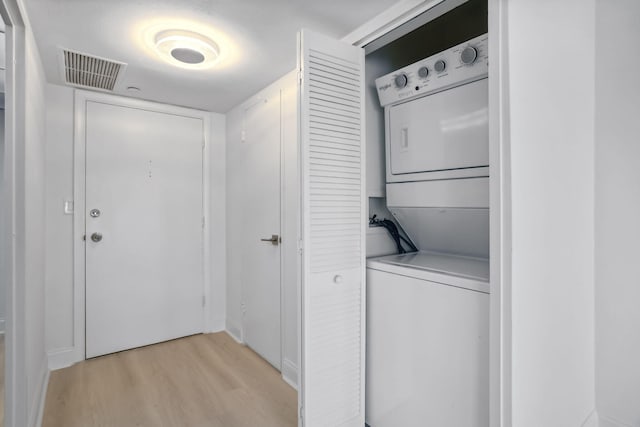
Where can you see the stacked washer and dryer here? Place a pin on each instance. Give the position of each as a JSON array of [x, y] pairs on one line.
[[428, 311]]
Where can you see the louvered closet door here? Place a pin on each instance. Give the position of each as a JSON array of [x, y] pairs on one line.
[[333, 228]]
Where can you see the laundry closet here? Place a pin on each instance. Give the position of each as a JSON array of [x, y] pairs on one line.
[[427, 355]]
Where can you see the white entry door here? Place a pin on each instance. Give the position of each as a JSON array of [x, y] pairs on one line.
[[144, 227], [261, 234]]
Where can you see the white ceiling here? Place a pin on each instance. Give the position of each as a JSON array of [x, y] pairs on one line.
[[257, 39]]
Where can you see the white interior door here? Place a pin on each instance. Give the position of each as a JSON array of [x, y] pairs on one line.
[[261, 277], [144, 277], [333, 231]]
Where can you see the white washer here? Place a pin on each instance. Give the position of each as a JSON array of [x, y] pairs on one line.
[[427, 341]]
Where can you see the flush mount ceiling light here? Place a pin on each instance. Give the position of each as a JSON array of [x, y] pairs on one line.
[[157, 37], [187, 49]]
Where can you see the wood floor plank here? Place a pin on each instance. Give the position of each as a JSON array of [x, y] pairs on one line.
[[200, 381]]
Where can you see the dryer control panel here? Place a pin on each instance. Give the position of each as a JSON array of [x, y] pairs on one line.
[[463, 63]]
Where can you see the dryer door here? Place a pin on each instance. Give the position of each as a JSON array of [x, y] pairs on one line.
[[446, 130]]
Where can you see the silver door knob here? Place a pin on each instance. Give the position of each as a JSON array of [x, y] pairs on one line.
[[275, 239], [96, 237]]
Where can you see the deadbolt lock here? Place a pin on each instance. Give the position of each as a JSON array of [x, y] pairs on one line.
[[95, 213]]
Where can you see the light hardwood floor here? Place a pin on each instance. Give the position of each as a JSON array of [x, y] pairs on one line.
[[204, 380]]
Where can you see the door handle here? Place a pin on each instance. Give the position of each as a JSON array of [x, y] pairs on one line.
[[96, 237], [275, 239]]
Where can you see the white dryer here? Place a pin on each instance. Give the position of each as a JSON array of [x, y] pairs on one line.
[[437, 149]]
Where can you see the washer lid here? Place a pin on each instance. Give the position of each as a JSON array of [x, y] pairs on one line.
[[453, 270]]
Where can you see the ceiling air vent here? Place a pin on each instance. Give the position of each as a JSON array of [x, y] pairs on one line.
[[88, 71]]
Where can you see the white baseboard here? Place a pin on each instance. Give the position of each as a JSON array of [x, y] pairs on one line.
[[36, 411], [234, 334], [234, 329], [611, 422], [290, 373], [61, 358]]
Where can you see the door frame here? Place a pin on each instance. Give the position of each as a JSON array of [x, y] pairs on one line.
[[499, 183], [289, 221], [81, 97], [16, 412]]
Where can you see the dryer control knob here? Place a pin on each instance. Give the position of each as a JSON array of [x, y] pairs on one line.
[[440, 65], [468, 55], [423, 72], [401, 80]]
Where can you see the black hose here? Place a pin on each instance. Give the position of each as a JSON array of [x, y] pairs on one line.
[[395, 234]]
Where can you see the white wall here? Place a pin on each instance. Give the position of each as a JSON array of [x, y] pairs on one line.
[[59, 227], [235, 184], [290, 226], [218, 221], [59, 230], [551, 59], [237, 178], [376, 66], [379, 242], [32, 212], [617, 212]]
